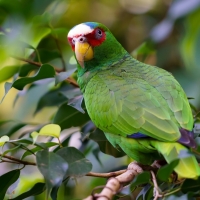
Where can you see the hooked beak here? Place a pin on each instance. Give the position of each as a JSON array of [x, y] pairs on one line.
[[83, 50]]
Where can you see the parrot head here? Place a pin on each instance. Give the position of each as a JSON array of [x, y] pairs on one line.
[[94, 45]]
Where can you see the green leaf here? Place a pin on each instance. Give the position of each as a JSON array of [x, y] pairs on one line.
[[47, 55], [140, 179], [10, 150], [39, 147], [59, 32], [3, 140], [104, 145], [76, 103], [165, 171], [6, 180], [63, 75], [78, 164], [52, 167], [7, 87], [8, 72], [38, 33], [52, 130], [54, 97], [145, 192], [38, 188], [23, 140], [190, 185], [34, 135], [26, 69], [68, 117], [45, 71]]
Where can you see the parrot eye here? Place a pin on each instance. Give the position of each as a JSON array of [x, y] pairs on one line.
[[99, 33], [73, 41]]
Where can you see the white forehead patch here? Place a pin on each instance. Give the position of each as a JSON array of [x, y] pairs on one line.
[[80, 29]]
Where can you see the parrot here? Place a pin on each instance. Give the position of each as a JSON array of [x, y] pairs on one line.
[[141, 109]]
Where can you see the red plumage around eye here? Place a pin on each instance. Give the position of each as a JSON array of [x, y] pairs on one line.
[[96, 37], [71, 43]]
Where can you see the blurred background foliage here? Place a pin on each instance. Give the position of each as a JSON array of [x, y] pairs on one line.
[[164, 33]]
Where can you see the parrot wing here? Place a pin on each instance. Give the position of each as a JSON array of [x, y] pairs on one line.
[[129, 103]]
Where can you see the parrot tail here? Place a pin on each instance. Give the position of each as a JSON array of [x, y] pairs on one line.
[[187, 167]]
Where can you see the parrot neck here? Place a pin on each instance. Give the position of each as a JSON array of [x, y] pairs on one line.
[[108, 54]]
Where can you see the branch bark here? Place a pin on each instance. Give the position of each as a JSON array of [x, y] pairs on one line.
[[114, 184], [16, 160]]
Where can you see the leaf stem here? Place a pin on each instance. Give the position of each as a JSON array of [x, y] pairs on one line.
[[60, 144], [61, 55]]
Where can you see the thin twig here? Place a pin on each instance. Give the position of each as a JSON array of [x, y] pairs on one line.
[[17, 160], [38, 64], [28, 61]]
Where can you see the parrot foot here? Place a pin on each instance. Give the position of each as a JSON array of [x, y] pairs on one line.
[[136, 167], [158, 163]]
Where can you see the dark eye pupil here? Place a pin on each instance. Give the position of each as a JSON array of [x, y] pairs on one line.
[[99, 32]]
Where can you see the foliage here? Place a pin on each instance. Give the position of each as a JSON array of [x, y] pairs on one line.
[[42, 108]]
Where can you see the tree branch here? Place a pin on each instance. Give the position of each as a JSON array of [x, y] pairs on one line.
[[17, 161], [114, 184], [38, 64], [106, 175]]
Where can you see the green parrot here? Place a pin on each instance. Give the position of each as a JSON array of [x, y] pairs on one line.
[[141, 108]]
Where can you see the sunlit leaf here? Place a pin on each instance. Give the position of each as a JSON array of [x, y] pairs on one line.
[[3, 140], [34, 135], [78, 164], [45, 71], [52, 130]]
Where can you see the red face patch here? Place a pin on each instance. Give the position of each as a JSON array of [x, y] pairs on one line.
[[95, 38]]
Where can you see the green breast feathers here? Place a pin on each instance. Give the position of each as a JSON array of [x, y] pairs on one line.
[[141, 108], [133, 97]]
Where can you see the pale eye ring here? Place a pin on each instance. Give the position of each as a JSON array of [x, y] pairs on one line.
[[99, 33], [73, 41]]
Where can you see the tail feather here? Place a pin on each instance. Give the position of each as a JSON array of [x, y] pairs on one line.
[[188, 166], [187, 138]]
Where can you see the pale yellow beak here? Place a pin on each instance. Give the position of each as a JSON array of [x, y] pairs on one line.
[[83, 51]]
